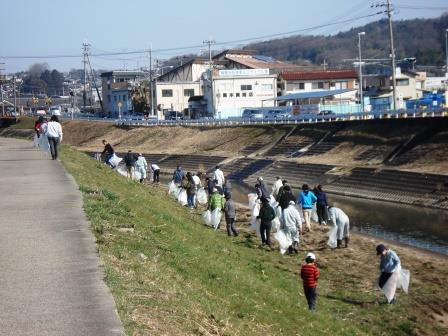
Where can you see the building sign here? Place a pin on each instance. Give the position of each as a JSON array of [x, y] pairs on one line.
[[243, 72]]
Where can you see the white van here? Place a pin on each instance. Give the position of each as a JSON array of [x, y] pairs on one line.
[[55, 110]]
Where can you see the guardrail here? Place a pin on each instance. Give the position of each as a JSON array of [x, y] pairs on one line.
[[283, 121]]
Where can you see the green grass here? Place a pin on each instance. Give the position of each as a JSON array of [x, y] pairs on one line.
[[171, 275]]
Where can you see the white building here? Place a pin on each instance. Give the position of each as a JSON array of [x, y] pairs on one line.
[[229, 92]]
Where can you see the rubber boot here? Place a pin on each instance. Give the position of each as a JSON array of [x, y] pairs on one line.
[[347, 239], [339, 242], [290, 249], [295, 247]]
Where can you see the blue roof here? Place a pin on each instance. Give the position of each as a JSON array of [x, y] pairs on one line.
[[311, 94]]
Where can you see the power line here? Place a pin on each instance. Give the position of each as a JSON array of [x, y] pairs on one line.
[[253, 39]]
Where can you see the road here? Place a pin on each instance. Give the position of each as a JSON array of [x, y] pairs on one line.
[[51, 281]]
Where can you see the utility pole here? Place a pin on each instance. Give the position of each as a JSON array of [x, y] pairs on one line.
[[324, 64], [1, 88], [392, 52], [86, 48], [361, 98], [150, 81], [209, 43], [15, 95]]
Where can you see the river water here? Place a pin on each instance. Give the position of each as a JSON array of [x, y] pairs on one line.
[[411, 225]]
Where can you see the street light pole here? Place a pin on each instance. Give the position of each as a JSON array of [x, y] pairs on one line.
[[360, 71]]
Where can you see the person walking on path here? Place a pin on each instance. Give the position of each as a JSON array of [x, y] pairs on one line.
[[262, 191], [306, 198], [276, 187], [230, 214], [291, 224], [310, 275], [141, 166], [390, 263], [218, 175], [178, 175], [266, 215], [155, 173], [109, 151], [54, 135], [341, 220], [321, 205], [130, 159]]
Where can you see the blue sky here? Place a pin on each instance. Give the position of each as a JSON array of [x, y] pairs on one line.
[[59, 27]]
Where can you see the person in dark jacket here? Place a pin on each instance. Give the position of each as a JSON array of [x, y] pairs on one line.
[[230, 214], [210, 185], [178, 175], [130, 159], [266, 215], [109, 151], [286, 197], [227, 187], [321, 205], [190, 187], [262, 191], [280, 190]]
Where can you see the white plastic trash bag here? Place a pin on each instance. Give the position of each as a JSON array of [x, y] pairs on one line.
[[114, 160], [332, 237], [252, 200], [256, 210], [44, 145], [275, 224], [272, 202], [404, 277], [172, 188], [278, 211], [314, 216], [182, 198], [207, 217], [255, 225], [283, 241], [202, 196], [399, 279], [121, 170], [35, 141], [216, 218]]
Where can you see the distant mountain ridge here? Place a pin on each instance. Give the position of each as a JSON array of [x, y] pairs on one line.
[[423, 39]]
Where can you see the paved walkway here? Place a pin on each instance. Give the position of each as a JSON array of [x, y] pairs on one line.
[[51, 282]]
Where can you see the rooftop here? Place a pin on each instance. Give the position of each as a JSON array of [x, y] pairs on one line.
[[316, 75]]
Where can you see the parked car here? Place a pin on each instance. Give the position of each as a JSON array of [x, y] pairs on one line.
[[41, 111], [55, 110], [252, 114], [174, 115]]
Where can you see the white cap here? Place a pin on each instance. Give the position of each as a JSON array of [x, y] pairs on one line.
[[260, 178], [215, 190], [311, 256]]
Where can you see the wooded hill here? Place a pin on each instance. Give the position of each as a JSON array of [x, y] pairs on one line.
[[420, 38]]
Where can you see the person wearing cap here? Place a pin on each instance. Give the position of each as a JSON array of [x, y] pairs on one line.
[[291, 224], [260, 188], [266, 215], [230, 214], [389, 263], [306, 198], [276, 187], [341, 220], [218, 176], [310, 275], [141, 166]]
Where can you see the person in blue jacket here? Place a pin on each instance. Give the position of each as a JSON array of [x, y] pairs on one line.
[[178, 175], [307, 199]]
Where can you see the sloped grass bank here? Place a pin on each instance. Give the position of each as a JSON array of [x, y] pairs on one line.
[[170, 275]]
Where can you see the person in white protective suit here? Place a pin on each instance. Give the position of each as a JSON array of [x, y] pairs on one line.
[[218, 176], [276, 187], [141, 166], [341, 220], [291, 224]]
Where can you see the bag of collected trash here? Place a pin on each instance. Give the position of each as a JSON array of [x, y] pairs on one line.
[[332, 237], [404, 277], [256, 210], [255, 225], [115, 160], [202, 196], [275, 224], [121, 170], [215, 218], [182, 198], [272, 202], [172, 188], [252, 200], [35, 141], [278, 211], [399, 279], [283, 241], [314, 216], [207, 217], [44, 145]]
